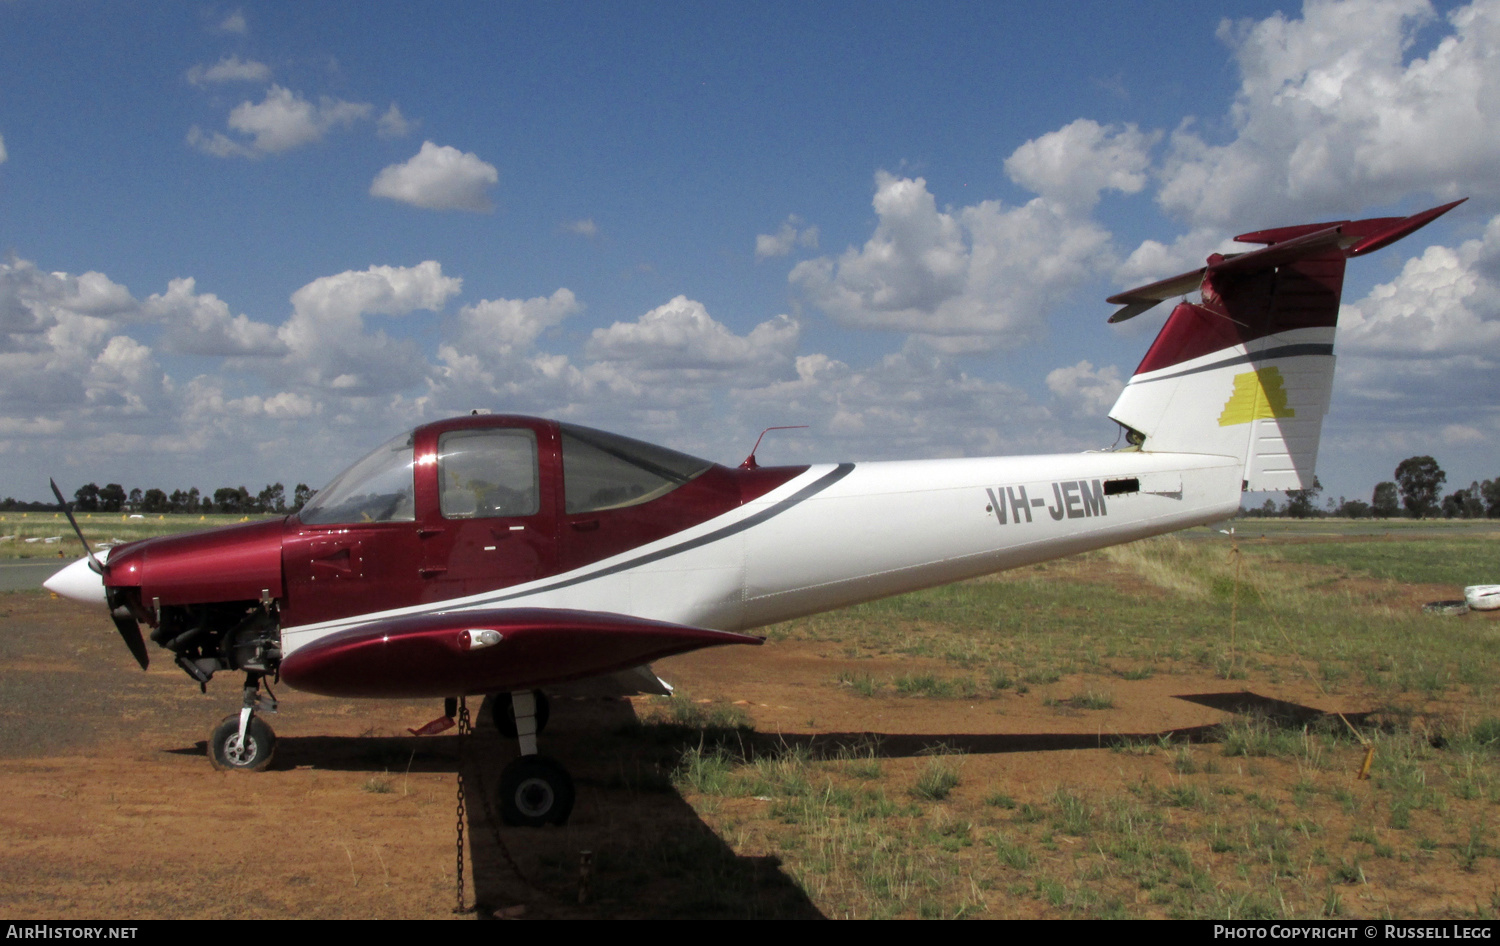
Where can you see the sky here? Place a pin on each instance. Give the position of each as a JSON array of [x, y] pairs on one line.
[[245, 244]]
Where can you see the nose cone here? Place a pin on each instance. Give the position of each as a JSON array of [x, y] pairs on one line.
[[78, 582]]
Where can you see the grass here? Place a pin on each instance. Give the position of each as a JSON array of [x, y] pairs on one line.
[[1263, 820], [55, 538]]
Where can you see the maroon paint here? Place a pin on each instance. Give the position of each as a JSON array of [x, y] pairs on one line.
[[429, 656], [227, 564], [1239, 308], [1293, 283], [326, 572]]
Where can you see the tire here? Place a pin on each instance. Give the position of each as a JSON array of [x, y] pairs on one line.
[[226, 754], [503, 713], [534, 791]]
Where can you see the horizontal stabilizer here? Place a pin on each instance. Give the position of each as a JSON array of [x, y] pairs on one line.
[[1284, 245]]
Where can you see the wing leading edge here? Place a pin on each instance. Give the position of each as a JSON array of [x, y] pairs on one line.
[[486, 651]]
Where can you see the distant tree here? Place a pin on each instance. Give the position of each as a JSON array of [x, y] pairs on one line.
[[154, 501], [87, 498], [301, 496], [1464, 503], [111, 498], [232, 499], [134, 501], [1420, 479], [1385, 503], [272, 499], [1353, 509], [1300, 503], [1489, 491]]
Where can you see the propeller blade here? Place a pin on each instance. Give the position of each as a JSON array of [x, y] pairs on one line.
[[130, 631], [93, 562], [125, 623]]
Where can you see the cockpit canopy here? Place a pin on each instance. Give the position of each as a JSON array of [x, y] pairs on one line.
[[494, 471]]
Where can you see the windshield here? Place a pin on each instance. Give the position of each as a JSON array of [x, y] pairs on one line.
[[379, 488], [606, 471]]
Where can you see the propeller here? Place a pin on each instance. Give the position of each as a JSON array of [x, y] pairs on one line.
[[125, 622]]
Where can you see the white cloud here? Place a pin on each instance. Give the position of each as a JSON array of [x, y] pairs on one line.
[[229, 69], [393, 124], [680, 341], [984, 276], [1334, 111], [1423, 350], [913, 403], [2, 149], [438, 178], [501, 328], [283, 121], [584, 228], [202, 325], [791, 234], [233, 23], [1085, 391], [59, 347], [327, 337], [1072, 165], [1444, 304]]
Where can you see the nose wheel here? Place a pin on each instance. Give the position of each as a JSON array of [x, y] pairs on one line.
[[228, 750], [244, 742]]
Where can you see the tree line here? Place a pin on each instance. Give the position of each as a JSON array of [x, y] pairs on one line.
[[1415, 491], [234, 500]]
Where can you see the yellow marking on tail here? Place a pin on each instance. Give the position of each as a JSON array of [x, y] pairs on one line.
[[1257, 394]]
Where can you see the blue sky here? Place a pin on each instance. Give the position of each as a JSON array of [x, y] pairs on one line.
[[246, 243]]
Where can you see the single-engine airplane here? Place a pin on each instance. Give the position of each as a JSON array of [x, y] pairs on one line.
[[499, 554]]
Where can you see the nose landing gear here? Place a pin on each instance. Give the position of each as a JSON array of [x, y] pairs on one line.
[[245, 742]]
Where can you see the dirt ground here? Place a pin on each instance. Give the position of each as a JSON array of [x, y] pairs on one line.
[[113, 811]]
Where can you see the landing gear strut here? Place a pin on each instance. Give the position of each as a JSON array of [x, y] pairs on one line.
[[534, 790], [245, 742]]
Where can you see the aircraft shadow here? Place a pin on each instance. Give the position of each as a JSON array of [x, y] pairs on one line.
[[830, 745], [650, 856]]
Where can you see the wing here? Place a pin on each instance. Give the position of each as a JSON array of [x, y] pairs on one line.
[[486, 651]]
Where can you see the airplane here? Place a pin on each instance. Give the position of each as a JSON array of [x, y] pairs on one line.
[[499, 554]]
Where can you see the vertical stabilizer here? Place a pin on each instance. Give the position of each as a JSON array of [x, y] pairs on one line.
[[1247, 372]]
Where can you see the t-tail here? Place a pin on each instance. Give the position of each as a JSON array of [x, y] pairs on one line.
[[1247, 371]]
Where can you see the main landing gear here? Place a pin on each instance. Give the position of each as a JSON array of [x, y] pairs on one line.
[[534, 790], [245, 742]]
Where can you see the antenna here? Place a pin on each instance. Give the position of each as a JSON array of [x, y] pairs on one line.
[[750, 463]]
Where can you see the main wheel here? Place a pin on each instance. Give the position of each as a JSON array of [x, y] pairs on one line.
[[535, 791], [227, 753], [503, 713]]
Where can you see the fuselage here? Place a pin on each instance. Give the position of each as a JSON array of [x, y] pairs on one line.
[[840, 534], [479, 513]]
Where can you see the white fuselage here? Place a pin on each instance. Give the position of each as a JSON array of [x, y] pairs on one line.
[[841, 534]]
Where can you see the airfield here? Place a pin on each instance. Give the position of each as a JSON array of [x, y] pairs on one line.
[[1147, 731]]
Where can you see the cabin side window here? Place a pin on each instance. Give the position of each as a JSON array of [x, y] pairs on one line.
[[488, 473], [604, 471]]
